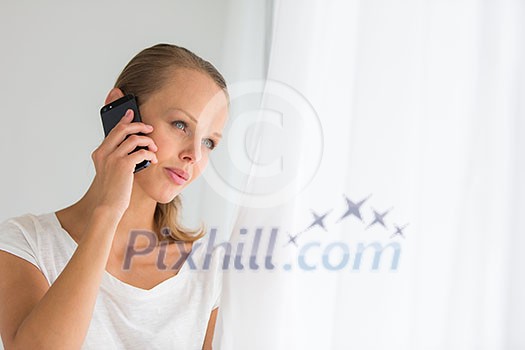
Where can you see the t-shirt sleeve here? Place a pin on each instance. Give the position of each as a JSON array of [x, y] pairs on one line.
[[14, 240]]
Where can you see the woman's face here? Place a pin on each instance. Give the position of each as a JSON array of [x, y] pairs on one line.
[[188, 115]]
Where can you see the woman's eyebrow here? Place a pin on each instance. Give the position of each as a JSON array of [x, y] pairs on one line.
[[192, 118]]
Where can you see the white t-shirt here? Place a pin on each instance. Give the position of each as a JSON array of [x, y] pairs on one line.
[[172, 315]]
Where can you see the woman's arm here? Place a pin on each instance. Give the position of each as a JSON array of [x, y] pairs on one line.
[[210, 330], [36, 316]]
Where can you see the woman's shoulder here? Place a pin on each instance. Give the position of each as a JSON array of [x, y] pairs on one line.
[[28, 221], [19, 236], [37, 238], [24, 222], [32, 227]]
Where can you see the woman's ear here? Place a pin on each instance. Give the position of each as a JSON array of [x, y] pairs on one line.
[[113, 95]]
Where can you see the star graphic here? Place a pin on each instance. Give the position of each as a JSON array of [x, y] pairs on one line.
[[399, 231], [292, 239], [379, 218], [353, 208], [318, 220]]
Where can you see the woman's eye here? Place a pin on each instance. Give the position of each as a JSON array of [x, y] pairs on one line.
[[209, 143], [180, 123]]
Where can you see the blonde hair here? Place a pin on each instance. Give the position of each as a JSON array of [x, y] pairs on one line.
[[145, 74]]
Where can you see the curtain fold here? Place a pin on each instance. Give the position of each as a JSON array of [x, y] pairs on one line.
[[393, 127]]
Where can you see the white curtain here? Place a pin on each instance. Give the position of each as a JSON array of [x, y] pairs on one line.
[[387, 146]]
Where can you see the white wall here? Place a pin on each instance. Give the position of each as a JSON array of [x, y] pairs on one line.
[[59, 60]]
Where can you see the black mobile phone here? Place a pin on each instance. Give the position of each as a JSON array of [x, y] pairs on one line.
[[113, 112]]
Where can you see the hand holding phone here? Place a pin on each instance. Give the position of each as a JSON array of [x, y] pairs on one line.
[[113, 112]]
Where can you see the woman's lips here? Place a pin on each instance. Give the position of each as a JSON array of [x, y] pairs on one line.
[[174, 177]]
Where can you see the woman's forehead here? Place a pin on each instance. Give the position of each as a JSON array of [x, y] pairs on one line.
[[191, 90]]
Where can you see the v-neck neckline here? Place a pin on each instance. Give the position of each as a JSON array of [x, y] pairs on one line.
[[124, 287]]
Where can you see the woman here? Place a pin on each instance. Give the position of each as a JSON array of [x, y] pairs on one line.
[[82, 277]]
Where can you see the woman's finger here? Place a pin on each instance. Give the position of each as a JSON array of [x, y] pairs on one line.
[[141, 155], [124, 128], [133, 141]]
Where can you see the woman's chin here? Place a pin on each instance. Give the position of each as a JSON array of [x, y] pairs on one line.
[[165, 193], [166, 199]]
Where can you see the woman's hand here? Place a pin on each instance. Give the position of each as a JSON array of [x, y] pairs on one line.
[[114, 165]]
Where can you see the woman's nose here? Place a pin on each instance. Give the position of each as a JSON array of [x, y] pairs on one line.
[[193, 151]]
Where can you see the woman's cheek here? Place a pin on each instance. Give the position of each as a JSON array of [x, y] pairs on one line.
[[163, 146]]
